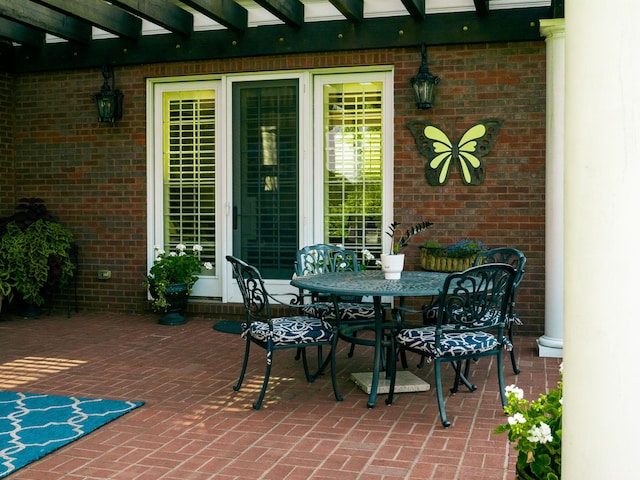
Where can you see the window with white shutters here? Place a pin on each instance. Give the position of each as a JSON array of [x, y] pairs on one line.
[[189, 170], [353, 165]]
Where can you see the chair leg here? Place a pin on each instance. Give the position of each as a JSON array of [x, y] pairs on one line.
[[503, 395], [305, 365], [403, 359], [456, 381], [353, 346], [267, 374], [334, 377], [438, 375], [462, 377], [514, 363], [423, 358], [245, 361]]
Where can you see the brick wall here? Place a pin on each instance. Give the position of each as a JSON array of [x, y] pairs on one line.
[[93, 176], [7, 198]]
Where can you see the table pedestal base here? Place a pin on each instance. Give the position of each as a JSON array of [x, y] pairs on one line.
[[406, 382]]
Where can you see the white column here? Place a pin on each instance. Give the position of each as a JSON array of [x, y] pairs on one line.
[[550, 344], [601, 420]]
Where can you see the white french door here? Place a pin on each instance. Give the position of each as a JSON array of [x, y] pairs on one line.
[[185, 171], [259, 165]]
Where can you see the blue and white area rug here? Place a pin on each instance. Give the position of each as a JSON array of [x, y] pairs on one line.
[[33, 425]]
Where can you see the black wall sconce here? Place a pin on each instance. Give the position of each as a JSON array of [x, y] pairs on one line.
[[424, 83], [108, 100]]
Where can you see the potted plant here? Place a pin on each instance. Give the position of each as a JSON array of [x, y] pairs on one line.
[[453, 258], [536, 429], [393, 262], [35, 253], [6, 284], [171, 279]]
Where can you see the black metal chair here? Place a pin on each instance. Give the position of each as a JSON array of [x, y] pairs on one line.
[[515, 258], [471, 322], [323, 258], [286, 332], [510, 256]]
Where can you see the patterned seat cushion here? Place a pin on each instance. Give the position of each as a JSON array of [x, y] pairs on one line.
[[292, 330], [349, 311], [452, 343], [430, 317]]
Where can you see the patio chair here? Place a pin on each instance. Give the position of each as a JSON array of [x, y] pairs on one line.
[[322, 258], [515, 258], [471, 322], [286, 332], [510, 256]]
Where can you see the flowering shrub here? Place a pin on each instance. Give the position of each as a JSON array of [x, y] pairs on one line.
[[536, 429], [177, 266]]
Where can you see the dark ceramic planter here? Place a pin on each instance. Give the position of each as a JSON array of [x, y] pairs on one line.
[[524, 474], [177, 297]]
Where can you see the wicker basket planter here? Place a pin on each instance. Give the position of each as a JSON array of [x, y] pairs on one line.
[[433, 260]]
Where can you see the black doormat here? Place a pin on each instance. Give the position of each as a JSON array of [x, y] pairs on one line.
[[229, 326]]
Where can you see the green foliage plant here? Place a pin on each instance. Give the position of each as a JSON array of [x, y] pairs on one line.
[[403, 241], [6, 284], [536, 429], [36, 258], [179, 266]]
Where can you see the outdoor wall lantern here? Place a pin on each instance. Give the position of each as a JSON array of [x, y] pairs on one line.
[[424, 83], [108, 100]]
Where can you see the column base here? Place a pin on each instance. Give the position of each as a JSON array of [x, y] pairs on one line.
[[550, 347]]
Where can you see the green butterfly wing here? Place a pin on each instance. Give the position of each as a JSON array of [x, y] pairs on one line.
[[468, 153], [436, 148]]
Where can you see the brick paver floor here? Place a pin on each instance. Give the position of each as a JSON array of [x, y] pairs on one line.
[[193, 426]]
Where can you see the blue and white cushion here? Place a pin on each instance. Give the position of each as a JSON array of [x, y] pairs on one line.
[[292, 330], [452, 344]]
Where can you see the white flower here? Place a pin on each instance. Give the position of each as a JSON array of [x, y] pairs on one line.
[[517, 418], [367, 255], [180, 247], [541, 434], [173, 254], [208, 265], [518, 392], [197, 248]]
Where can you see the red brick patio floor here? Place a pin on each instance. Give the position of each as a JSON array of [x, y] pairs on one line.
[[194, 426]]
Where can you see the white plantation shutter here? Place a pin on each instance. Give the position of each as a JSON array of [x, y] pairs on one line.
[[353, 165], [189, 163]]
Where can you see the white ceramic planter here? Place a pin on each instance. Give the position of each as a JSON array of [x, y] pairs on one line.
[[392, 265]]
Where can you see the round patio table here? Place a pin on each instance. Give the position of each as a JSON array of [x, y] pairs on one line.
[[372, 283]]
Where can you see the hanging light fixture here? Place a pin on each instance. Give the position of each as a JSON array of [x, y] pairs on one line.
[[424, 83], [108, 100]]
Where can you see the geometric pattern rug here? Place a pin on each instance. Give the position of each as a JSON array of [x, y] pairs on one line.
[[33, 425]]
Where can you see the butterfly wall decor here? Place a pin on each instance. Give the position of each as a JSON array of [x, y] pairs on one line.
[[442, 154]]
